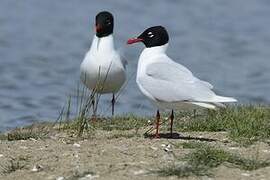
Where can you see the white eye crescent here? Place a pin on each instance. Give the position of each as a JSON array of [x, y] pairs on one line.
[[150, 34]]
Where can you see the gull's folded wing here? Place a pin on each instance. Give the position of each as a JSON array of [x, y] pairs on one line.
[[172, 82]]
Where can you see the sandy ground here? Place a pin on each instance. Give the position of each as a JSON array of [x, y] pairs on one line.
[[105, 155]]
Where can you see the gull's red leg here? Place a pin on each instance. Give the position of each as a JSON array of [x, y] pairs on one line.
[[157, 124], [113, 102], [94, 115], [172, 117]]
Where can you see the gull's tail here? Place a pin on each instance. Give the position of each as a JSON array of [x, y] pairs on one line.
[[223, 99], [216, 102], [205, 105]]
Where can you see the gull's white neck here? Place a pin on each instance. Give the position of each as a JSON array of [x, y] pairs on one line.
[[156, 50], [150, 55], [103, 44]]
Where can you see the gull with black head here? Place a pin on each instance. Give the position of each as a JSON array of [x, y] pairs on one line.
[[103, 70], [167, 84]]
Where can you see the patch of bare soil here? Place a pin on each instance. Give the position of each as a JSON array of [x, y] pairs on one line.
[[115, 155]]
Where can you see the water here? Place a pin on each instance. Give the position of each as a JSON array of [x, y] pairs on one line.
[[42, 44]]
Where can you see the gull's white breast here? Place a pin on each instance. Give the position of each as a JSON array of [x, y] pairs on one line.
[[102, 67]]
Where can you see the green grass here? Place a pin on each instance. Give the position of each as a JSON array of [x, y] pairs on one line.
[[121, 123], [245, 124], [204, 158], [34, 131], [13, 165], [190, 145], [118, 123], [210, 157], [183, 170]]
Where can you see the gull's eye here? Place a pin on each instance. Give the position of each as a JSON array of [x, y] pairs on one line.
[[150, 34], [108, 22]]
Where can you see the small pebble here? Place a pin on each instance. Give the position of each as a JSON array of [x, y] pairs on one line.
[[60, 178], [245, 174], [37, 168], [89, 177], [76, 145], [1, 155], [32, 139], [154, 148], [233, 148], [167, 148], [139, 172]]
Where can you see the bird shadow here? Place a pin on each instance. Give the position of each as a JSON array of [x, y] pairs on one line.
[[178, 136]]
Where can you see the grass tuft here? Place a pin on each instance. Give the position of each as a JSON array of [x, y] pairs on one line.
[[13, 165], [211, 157], [183, 170], [85, 103], [122, 123], [204, 158], [34, 131], [191, 145]]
